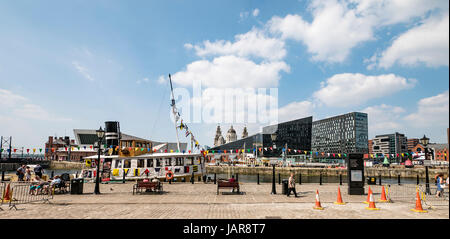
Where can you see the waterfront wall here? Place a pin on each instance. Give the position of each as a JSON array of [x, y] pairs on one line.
[[65, 165], [384, 172]]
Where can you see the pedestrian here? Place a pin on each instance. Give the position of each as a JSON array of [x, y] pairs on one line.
[[439, 184], [21, 172], [28, 174], [38, 170], [291, 185]]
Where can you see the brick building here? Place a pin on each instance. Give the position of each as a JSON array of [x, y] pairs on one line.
[[65, 149], [412, 143], [370, 142]]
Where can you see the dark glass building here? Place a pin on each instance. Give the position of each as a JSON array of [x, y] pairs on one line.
[[346, 133], [296, 133]]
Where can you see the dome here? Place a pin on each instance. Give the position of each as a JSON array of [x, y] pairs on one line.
[[231, 130]]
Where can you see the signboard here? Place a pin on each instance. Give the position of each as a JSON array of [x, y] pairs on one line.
[[356, 175], [355, 167]]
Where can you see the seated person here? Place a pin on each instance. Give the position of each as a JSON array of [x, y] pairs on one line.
[[56, 180], [232, 180]]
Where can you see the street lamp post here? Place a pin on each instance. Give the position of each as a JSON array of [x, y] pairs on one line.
[[100, 135], [424, 141], [274, 191]]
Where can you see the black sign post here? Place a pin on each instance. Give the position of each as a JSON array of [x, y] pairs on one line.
[[355, 174]]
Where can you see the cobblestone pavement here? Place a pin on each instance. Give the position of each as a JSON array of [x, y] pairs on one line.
[[199, 201]]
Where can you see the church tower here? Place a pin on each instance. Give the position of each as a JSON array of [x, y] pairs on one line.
[[245, 133], [218, 139], [231, 135]]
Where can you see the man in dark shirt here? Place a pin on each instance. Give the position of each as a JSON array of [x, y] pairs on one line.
[[38, 170]]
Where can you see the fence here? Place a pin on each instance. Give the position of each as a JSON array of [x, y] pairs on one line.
[[2, 191], [408, 193], [25, 192]]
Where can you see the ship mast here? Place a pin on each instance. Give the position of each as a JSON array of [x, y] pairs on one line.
[[175, 113]]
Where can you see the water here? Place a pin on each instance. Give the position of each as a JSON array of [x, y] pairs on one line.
[[56, 171], [311, 179]]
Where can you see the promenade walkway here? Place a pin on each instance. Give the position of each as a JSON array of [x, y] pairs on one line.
[[199, 201]]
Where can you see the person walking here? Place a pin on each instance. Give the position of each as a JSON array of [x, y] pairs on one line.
[[291, 185], [439, 185], [21, 172], [38, 170], [28, 174]]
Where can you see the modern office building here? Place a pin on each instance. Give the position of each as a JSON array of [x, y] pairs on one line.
[[296, 134], [346, 133], [412, 143], [390, 144]]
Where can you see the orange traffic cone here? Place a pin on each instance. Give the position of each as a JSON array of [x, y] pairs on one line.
[[339, 198], [383, 195], [368, 196], [318, 206], [418, 204], [371, 203], [7, 195]]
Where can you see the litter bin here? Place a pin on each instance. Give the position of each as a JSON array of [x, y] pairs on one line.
[[371, 180], [284, 189], [76, 186]]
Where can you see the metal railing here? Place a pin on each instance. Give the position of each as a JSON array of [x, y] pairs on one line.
[[27, 192], [2, 193]]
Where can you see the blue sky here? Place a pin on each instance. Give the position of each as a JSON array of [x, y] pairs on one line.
[[66, 65]]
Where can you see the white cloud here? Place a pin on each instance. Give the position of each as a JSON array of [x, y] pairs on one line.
[[255, 12], [145, 80], [162, 80], [17, 106], [231, 72], [339, 26], [384, 119], [254, 43], [82, 70], [431, 111], [350, 89], [295, 110], [427, 43]]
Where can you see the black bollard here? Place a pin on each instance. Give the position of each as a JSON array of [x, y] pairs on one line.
[[300, 178], [76, 174], [379, 181], [192, 178], [427, 182], [340, 179], [3, 176], [237, 177], [199, 178], [123, 180], [418, 180], [279, 178], [214, 178], [274, 191], [53, 174], [170, 181], [257, 176], [321, 179], [398, 176]]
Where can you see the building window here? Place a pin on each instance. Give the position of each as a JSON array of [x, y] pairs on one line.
[[149, 163], [127, 163], [140, 163]]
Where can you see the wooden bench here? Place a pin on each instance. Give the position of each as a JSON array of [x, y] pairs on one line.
[[226, 184], [140, 185]]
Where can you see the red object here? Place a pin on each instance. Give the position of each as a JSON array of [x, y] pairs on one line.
[[28, 150], [95, 173], [169, 175], [90, 146], [106, 179], [372, 203], [7, 195], [339, 198], [368, 196], [318, 205], [418, 204], [383, 195]]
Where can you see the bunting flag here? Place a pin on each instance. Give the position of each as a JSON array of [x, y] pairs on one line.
[[15, 150]]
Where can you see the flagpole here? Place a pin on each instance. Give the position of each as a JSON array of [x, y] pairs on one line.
[[174, 113]]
